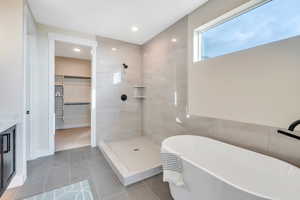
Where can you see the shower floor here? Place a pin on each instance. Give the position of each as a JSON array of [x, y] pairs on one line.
[[133, 159]]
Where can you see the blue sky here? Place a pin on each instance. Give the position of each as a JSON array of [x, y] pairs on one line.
[[276, 20]]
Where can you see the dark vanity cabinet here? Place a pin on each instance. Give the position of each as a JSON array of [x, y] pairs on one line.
[[7, 157]]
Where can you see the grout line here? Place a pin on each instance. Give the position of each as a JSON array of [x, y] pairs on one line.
[[69, 164], [46, 178], [268, 148]]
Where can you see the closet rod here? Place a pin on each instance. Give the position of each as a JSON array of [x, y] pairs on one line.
[[78, 77], [77, 103]]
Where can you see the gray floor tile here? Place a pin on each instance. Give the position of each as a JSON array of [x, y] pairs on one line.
[[72, 166], [57, 177], [80, 155], [29, 189], [38, 169], [79, 173], [61, 159], [157, 186], [118, 196], [106, 183], [98, 165], [140, 191]]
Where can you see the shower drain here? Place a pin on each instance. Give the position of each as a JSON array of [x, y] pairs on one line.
[[137, 149]]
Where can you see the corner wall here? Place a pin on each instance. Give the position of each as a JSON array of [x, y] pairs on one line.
[[12, 73], [166, 71], [41, 143], [165, 78], [11, 57], [117, 119], [256, 85]]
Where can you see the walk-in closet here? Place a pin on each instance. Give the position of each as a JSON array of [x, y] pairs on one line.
[[72, 96]]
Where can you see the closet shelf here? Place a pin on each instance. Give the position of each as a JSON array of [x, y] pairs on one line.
[[138, 86], [78, 77], [139, 97], [76, 103]]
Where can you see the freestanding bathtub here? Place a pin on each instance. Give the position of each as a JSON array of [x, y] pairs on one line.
[[213, 170]]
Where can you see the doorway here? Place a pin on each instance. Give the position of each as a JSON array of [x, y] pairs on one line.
[[72, 79], [72, 96]]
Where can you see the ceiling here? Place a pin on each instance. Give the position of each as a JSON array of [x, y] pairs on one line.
[[113, 18], [64, 49]]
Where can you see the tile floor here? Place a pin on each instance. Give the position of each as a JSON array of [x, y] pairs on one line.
[[72, 166], [72, 138]]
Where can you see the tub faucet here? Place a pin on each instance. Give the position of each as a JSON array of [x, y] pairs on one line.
[[293, 125], [291, 129]]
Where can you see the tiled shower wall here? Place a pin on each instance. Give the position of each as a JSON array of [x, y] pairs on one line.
[[165, 77], [117, 119]]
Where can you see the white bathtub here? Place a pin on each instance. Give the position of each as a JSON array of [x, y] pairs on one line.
[[214, 170]]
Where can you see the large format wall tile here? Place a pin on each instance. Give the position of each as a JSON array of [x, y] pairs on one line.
[[164, 65], [117, 119]]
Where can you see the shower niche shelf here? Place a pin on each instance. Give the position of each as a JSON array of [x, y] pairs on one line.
[[139, 97], [138, 86], [139, 92]]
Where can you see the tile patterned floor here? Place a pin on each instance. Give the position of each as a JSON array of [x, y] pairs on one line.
[[72, 166]]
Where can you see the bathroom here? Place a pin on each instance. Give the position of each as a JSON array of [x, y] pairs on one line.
[[150, 86]]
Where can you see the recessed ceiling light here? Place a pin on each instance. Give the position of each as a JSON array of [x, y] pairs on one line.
[[114, 49], [76, 50], [174, 40], [134, 29]]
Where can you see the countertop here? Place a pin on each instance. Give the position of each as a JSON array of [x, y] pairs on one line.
[[6, 124]]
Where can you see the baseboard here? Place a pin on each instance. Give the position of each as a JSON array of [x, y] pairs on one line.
[[113, 161], [40, 154], [74, 126], [17, 181]]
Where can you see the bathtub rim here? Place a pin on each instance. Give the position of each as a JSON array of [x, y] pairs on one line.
[[165, 148]]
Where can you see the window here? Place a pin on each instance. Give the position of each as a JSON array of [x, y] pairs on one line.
[[255, 23]]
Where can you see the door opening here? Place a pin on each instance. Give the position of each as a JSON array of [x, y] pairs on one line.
[[71, 93], [72, 96]]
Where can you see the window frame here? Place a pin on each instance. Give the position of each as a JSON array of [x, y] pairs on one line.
[[197, 40]]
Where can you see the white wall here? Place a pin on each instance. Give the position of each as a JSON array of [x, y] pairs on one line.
[[11, 52], [258, 85], [31, 70], [42, 138], [12, 71]]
